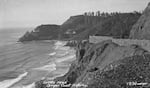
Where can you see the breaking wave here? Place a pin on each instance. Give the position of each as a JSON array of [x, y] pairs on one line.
[[50, 67], [65, 58], [51, 54], [8, 83], [61, 53]]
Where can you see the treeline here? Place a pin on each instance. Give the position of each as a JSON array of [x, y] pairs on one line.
[[116, 24], [92, 18], [106, 14]]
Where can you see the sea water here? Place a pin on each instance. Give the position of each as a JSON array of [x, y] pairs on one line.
[[22, 64]]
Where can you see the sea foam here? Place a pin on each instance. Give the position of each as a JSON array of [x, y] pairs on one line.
[[63, 52], [65, 58], [51, 54], [29, 86], [8, 83], [62, 43], [50, 67], [59, 44]]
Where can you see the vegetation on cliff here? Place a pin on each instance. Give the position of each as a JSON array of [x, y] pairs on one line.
[[42, 32], [80, 27], [100, 24], [141, 30]]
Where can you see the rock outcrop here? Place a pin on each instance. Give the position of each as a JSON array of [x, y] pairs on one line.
[[107, 65], [141, 30], [42, 32]]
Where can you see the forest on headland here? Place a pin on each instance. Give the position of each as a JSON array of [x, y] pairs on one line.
[[116, 24]]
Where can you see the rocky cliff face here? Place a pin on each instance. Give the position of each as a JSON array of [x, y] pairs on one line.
[[107, 65], [141, 30]]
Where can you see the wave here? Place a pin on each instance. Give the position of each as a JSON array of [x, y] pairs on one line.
[[60, 49], [62, 53], [50, 67], [8, 83], [51, 54], [65, 58], [26, 86], [59, 44], [63, 48], [29, 86], [59, 53]]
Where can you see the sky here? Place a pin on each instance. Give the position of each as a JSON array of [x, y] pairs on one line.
[[31, 13]]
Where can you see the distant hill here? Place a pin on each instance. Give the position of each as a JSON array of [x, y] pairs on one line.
[[117, 25], [42, 32], [141, 30]]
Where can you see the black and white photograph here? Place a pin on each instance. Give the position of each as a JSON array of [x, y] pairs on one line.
[[74, 43]]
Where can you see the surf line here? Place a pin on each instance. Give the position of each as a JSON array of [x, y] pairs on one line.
[[10, 82]]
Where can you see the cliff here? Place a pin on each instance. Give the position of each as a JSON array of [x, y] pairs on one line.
[[80, 27], [42, 32], [107, 65], [116, 25], [141, 30]]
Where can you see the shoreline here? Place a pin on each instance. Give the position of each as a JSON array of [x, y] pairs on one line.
[[92, 59], [58, 62]]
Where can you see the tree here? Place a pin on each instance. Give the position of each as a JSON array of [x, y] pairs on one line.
[[85, 14], [98, 13], [92, 13]]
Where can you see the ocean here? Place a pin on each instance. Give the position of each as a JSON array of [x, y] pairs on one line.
[[22, 64]]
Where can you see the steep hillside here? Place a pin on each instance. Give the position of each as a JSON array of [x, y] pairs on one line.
[[141, 30], [42, 32], [114, 24], [79, 27], [107, 65]]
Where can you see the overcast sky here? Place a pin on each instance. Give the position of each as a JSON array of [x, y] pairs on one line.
[[30, 13]]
